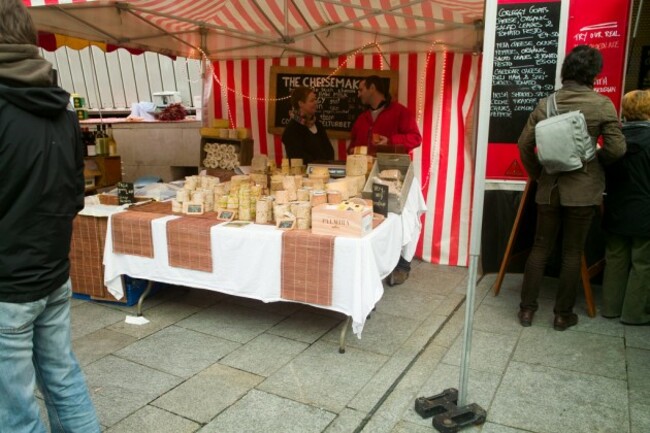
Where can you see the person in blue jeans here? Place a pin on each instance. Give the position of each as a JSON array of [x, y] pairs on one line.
[[41, 191]]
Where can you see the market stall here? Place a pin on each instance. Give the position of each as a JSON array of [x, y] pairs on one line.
[[260, 261], [432, 44]]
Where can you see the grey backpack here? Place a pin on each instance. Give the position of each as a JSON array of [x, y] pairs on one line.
[[563, 142]]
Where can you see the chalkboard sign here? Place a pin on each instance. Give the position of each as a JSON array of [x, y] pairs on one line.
[[380, 199], [525, 59], [338, 101], [125, 193]]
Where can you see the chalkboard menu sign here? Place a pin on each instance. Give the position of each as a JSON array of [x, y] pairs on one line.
[[525, 59], [338, 102]]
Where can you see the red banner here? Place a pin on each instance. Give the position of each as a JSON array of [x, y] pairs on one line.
[[604, 27]]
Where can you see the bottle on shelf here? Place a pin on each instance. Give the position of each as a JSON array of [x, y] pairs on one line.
[[100, 141], [112, 144], [91, 146]]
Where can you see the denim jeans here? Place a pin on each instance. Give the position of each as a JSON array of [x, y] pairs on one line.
[[35, 349], [574, 222]]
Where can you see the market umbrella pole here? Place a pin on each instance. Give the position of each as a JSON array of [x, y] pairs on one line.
[[449, 409]]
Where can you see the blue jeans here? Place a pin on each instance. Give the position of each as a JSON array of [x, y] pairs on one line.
[[35, 348]]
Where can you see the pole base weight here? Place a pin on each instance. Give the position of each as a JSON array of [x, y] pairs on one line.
[[437, 404], [459, 418]]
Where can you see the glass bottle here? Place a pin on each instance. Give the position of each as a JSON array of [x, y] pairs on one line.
[[112, 144]]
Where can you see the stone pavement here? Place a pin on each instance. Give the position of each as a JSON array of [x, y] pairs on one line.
[[208, 362]]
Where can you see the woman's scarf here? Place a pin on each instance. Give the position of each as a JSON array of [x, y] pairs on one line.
[[308, 121]]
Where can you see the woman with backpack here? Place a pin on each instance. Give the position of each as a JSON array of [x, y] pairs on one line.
[[626, 284], [567, 200]]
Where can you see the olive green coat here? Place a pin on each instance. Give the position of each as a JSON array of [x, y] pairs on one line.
[[585, 186]]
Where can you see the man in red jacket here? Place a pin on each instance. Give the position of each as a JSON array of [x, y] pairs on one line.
[[391, 127], [385, 123]]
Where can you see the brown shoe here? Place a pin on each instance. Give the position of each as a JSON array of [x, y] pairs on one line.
[[397, 277], [525, 317], [564, 321]]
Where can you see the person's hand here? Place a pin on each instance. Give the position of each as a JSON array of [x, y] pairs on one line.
[[379, 140]]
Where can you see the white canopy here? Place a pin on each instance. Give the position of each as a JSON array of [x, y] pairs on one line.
[[266, 28]]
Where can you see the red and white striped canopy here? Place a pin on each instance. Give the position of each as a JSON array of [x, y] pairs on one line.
[[230, 29]]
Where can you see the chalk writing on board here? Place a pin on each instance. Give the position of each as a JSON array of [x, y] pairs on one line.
[[337, 99], [525, 58]]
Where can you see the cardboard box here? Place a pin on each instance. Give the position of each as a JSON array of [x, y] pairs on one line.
[[328, 219], [387, 161]]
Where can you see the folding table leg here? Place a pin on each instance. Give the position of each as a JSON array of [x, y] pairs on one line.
[[344, 331], [144, 295]]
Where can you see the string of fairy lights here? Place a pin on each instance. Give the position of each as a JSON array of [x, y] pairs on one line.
[[420, 99]]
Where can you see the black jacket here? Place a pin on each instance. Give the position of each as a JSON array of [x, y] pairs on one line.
[[300, 142], [627, 203], [41, 189]]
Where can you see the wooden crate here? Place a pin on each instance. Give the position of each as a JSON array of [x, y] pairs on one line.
[[327, 219], [386, 161]]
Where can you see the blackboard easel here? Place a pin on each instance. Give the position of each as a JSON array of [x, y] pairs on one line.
[[526, 206]]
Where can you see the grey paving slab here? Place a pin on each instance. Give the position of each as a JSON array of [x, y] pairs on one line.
[[232, 322], [550, 400], [451, 303], [208, 393], [638, 370], [599, 325], [305, 326], [264, 354], [178, 351], [430, 327], [88, 318], [153, 420], [98, 344], [382, 333], [402, 396], [496, 319], [390, 372], [508, 302], [346, 421], [119, 387], [490, 352], [323, 377], [482, 387], [450, 331], [268, 413], [160, 316], [434, 279], [570, 350], [407, 427], [482, 288], [489, 427], [405, 304], [637, 336], [640, 418]]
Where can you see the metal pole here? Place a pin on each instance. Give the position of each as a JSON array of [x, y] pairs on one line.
[[485, 96]]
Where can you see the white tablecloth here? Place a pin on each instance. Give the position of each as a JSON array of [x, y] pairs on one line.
[[246, 261]]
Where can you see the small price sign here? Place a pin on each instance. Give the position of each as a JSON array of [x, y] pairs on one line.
[[380, 199], [125, 193]]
